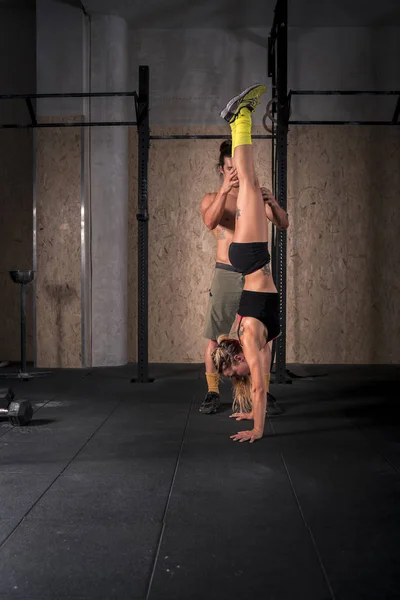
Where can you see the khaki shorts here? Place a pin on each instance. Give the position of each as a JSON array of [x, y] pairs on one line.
[[226, 289]]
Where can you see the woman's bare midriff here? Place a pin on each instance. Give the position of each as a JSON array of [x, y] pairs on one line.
[[260, 281]]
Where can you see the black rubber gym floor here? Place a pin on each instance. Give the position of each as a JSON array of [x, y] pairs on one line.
[[125, 491]]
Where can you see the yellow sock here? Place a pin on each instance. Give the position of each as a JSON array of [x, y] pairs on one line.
[[233, 132], [243, 128], [213, 382]]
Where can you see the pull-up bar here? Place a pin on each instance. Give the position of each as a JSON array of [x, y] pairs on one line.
[[204, 137], [278, 71], [36, 124], [69, 95], [393, 121], [69, 124], [343, 93]]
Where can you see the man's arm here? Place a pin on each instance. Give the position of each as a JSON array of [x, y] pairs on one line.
[[274, 212], [213, 205], [212, 208]]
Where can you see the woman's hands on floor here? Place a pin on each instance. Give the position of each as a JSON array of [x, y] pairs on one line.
[[247, 436], [241, 416]]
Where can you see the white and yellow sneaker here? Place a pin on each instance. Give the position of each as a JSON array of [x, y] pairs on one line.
[[249, 98]]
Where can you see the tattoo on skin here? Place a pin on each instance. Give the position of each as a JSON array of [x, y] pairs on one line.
[[221, 233], [266, 270], [237, 213], [241, 330]]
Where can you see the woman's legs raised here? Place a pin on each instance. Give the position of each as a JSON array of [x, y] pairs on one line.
[[251, 220]]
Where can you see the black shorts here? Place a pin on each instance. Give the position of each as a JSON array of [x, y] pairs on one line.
[[263, 306], [249, 257]]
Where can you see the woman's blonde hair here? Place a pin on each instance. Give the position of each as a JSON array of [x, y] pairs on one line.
[[224, 357]]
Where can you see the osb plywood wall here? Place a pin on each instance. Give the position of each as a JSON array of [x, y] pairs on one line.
[[16, 202], [343, 253], [58, 283]]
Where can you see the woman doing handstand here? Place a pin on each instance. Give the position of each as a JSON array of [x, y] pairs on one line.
[[247, 360]]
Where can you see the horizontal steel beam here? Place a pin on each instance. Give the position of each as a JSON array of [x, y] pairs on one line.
[[204, 137], [343, 123], [68, 124], [72, 95], [343, 92]]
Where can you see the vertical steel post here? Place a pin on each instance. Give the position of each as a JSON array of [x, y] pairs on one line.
[[23, 328], [143, 223], [396, 113], [281, 149]]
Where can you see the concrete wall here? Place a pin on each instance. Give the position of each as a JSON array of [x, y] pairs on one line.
[[17, 60], [109, 194], [82, 305], [194, 71], [60, 57], [17, 76], [61, 68], [352, 58]]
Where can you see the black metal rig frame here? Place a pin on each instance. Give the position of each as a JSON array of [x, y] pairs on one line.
[[142, 111], [278, 72], [35, 124], [142, 122]]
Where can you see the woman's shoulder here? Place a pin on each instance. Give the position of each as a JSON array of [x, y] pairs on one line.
[[252, 332]]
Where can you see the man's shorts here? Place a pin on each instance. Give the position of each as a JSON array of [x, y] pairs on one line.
[[226, 289]]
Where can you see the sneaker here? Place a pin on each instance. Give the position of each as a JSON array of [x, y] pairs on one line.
[[249, 98], [272, 408], [210, 404]]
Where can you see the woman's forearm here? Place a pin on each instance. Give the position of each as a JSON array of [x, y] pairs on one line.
[[259, 401]]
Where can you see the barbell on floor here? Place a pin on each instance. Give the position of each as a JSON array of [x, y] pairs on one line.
[[19, 412]]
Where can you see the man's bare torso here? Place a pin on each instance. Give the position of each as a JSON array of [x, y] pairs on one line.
[[223, 233]]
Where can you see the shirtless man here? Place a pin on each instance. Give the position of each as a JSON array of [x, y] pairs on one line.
[[218, 211]]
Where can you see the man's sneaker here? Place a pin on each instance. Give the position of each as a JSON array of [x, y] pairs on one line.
[[210, 404], [272, 408], [249, 98]]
